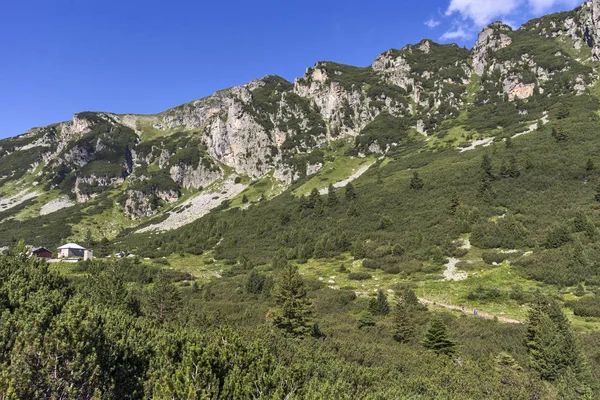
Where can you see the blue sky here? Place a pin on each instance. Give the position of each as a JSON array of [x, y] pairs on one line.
[[58, 57]]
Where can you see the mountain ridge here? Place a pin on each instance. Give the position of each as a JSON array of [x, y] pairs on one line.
[[440, 95]]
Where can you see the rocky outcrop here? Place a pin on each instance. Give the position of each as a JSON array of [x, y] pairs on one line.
[[589, 23], [395, 69], [492, 38], [345, 108], [581, 25], [77, 155], [189, 177], [516, 89], [240, 142], [139, 204], [87, 187]]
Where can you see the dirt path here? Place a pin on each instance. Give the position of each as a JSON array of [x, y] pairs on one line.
[[471, 311]]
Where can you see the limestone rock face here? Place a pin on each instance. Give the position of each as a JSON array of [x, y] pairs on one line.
[[517, 90], [492, 38], [139, 204], [395, 70], [240, 142], [189, 177], [341, 107], [240, 133], [346, 108], [84, 184], [68, 132]]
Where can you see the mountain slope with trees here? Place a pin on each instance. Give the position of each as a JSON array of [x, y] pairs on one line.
[[310, 218]]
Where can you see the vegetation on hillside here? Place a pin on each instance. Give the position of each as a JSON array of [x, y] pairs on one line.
[[119, 330]]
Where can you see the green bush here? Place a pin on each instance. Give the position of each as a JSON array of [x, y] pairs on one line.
[[371, 264], [359, 276], [491, 257]]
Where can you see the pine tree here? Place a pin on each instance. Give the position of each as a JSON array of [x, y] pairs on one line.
[[254, 282], [352, 210], [403, 326], [436, 338], [350, 193], [454, 202], [409, 297], [597, 195], [244, 199], [332, 199], [486, 190], [513, 169], [314, 198], [416, 183], [163, 300], [89, 240], [589, 165], [553, 350], [486, 167], [379, 305], [505, 360], [293, 314], [558, 133]]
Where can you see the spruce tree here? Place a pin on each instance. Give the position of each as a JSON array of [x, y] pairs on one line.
[[89, 240], [558, 133], [486, 168], [552, 347], [302, 203], [416, 183], [454, 202], [379, 305], [314, 198], [352, 210], [409, 297], [350, 193], [103, 247], [332, 199], [436, 338], [589, 165], [293, 314], [403, 326], [504, 170], [513, 168], [163, 300], [254, 282], [486, 190]]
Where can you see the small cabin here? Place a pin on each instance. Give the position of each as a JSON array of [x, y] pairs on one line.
[[41, 252], [73, 250]]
